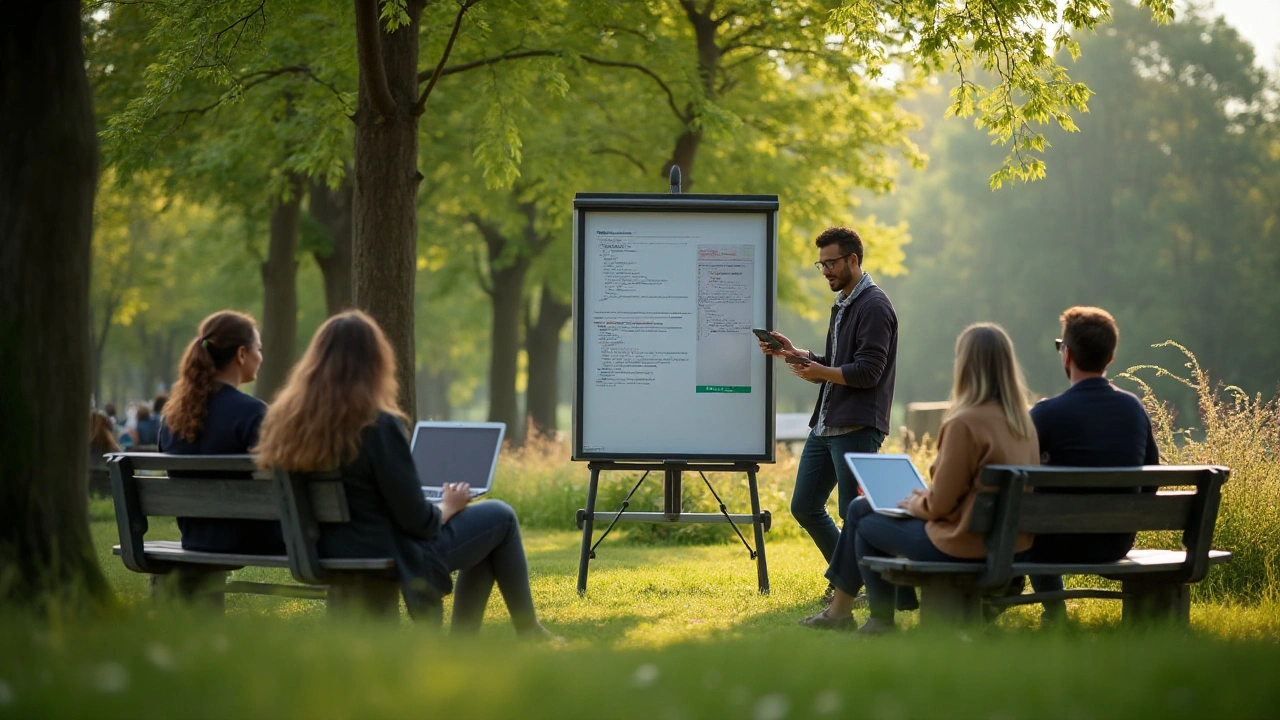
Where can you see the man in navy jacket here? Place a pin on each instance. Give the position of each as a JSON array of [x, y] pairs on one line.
[[1092, 424]]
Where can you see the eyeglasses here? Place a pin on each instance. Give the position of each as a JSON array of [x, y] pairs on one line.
[[1057, 344], [830, 264]]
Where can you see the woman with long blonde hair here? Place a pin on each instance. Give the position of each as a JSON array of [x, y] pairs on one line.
[[338, 411], [208, 415], [988, 424]]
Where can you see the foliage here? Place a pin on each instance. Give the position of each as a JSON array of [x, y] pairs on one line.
[[1241, 432], [1159, 212], [1007, 40]]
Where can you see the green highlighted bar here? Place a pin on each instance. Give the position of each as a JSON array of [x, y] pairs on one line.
[[724, 388]]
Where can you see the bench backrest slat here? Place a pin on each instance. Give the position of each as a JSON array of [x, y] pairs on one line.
[[1014, 508], [233, 499], [195, 463], [1091, 513]]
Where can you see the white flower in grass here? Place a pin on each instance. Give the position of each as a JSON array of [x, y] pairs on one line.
[[828, 702], [6, 693], [160, 656], [110, 677], [645, 675], [772, 707]]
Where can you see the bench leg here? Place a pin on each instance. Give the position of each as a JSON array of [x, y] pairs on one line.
[[949, 601], [364, 594], [197, 586], [1149, 602]]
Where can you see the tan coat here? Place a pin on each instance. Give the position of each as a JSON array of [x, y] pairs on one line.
[[969, 441]]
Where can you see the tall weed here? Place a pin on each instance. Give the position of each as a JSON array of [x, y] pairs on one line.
[[1242, 433]]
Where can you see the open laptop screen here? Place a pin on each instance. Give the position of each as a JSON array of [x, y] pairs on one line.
[[886, 479], [456, 452]]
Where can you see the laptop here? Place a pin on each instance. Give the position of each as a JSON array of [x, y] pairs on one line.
[[886, 480], [451, 452]]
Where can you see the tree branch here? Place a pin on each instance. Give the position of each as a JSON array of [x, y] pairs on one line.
[[671, 98], [444, 56], [622, 154], [455, 69], [369, 54]]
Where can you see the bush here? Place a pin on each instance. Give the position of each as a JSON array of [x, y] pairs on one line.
[[547, 489], [1242, 433]]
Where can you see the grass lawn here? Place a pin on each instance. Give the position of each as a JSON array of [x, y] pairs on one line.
[[664, 632]]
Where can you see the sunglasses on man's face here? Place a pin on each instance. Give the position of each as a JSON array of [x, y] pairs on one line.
[[1057, 344]]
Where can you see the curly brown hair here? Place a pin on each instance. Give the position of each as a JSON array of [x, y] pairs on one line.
[[345, 378], [221, 335]]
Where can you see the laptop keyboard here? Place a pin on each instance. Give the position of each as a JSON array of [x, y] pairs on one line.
[[435, 494]]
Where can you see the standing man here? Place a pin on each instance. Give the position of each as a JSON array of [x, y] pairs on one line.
[[856, 373]]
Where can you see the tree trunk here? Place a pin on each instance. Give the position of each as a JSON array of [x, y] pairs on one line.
[[332, 208], [48, 172], [542, 340], [98, 350], [508, 292], [433, 394], [280, 294], [384, 251]]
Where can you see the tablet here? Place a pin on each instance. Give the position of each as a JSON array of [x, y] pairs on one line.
[[886, 480]]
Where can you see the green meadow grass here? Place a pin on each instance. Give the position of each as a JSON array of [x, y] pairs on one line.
[[672, 625]]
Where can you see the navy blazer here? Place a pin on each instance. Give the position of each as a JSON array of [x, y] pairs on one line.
[[230, 428], [1092, 424]]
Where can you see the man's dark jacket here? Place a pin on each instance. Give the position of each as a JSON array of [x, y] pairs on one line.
[[1092, 424], [867, 355]]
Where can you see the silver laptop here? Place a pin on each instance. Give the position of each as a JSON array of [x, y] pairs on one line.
[[452, 452], [886, 480]]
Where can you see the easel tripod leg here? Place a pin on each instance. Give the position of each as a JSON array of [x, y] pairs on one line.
[[762, 567], [588, 524]]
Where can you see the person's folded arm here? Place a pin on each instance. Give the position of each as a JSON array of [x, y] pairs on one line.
[[397, 479], [875, 333], [953, 472]]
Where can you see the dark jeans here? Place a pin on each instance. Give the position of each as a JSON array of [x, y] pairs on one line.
[[1072, 548], [482, 542], [846, 573], [822, 469], [868, 533]]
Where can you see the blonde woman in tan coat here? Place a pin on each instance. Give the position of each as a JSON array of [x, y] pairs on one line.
[[988, 424]]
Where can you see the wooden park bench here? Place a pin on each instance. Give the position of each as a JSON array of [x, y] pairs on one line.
[[1155, 584], [299, 502]]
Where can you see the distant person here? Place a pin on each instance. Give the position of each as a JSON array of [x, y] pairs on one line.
[[1091, 424], [110, 411], [338, 412], [101, 439], [146, 428], [987, 424], [157, 405], [856, 372], [208, 415]]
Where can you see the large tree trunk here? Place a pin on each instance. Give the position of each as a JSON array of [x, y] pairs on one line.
[[433, 394], [508, 292], [280, 294], [542, 340], [48, 173], [386, 183], [332, 208]]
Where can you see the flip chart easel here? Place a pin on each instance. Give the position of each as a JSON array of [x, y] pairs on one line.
[[640, 302]]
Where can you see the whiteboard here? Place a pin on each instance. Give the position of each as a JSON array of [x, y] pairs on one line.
[[666, 291]]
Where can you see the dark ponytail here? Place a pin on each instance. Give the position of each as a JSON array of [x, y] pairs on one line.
[[222, 334]]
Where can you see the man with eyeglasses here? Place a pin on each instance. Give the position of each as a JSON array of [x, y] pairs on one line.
[[1091, 424], [856, 373]]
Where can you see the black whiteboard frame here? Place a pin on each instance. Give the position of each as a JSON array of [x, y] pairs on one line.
[[766, 205]]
